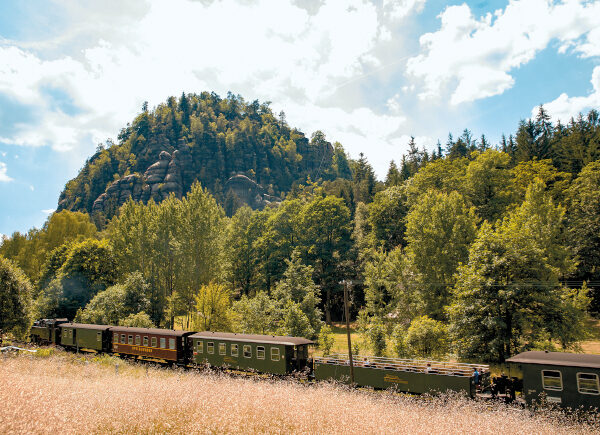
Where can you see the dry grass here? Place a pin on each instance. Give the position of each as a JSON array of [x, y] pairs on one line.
[[71, 394]]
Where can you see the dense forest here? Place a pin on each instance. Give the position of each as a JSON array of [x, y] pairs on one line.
[[477, 250]]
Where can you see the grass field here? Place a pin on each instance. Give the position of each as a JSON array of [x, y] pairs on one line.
[[66, 393]]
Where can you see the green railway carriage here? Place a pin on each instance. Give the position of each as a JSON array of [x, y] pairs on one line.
[[82, 336], [150, 343], [405, 375], [567, 379], [46, 331], [263, 353]]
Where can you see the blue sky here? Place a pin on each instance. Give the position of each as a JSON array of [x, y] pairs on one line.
[[370, 74]]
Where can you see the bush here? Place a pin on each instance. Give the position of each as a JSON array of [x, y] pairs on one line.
[[326, 340], [399, 341], [139, 320], [427, 337], [15, 299]]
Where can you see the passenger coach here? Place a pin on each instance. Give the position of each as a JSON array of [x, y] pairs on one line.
[[566, 379], [263, 353], [81, 336], [149, 343]]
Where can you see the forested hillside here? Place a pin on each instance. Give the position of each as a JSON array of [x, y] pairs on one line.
[[202, 138], [476, 250]]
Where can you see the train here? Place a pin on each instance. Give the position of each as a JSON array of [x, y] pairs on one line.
[[564, 379]]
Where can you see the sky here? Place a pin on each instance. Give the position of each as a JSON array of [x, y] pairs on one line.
[[369, 74]]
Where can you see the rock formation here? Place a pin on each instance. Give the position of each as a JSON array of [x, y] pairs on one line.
[[174, 173]]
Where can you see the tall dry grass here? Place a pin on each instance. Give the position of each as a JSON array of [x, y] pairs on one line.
[[70, 394]]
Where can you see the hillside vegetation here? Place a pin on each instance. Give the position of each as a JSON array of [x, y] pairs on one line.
[[474, 251], [201, 138], [68, 394]]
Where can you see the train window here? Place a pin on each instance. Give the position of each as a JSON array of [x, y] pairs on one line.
[[210, 347], [99, 336], [234, 350], [138, 340], [130, 339], [587, 383], [123, 338], [116, 337], [260, 352], [247, 351], [145, 341], [222, 349], [200, 346], [171, 343], [163, 343], [552, 380], [275, 354], [153, 340]]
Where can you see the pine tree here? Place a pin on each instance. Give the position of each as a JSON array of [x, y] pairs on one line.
[[393, 177]]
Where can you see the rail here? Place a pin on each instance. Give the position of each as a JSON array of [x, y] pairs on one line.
[[405, 365]]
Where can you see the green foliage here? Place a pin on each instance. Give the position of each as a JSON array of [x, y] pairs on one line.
[[88, 268], [427, 338], [584, 225], [254, 315], [225, 136], [212, 304], [439, 230], [15, 299], [487, 184], [106, 308], [30, 251], [443, 175], [65, 226], [117, 302], [374, 334], [399, 346], [364, 182], [295, 291], [508, 295], [177, 244], [326, 240], [387, 215], [527, 172], [295, 323], [297, 287], [138, 320], [54, 262], [51, 300], [240, 254], [390, 288], [136, 290], [325, 340]]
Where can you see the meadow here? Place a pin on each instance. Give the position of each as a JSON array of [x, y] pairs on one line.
[[65, 393]]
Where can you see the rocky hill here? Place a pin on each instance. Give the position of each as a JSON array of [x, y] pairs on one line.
[[240, 151]]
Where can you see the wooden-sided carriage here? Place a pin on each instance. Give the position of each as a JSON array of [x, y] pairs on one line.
[[262, 353]]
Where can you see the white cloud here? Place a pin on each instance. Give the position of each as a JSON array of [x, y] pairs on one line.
[[398, 9], [565, 107], [471, 57], [267, 48], [359, 130], [31, 187], [3, 173]]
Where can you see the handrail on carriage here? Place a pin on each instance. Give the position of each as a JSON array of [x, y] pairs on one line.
[[410, 365]]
